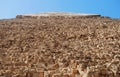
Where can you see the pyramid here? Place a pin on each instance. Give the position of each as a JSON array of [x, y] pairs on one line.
[[60, 45]]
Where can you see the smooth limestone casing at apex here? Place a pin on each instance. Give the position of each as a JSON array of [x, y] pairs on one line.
[[54, 14]]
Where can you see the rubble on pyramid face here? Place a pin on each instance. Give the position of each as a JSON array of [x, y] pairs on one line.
[[60, 47]]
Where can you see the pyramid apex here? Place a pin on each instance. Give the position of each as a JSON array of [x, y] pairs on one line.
[[47, 14]]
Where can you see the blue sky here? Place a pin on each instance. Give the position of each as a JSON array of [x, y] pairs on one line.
[[11, 8]]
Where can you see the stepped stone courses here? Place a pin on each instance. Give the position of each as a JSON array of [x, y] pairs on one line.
[[60, 45]]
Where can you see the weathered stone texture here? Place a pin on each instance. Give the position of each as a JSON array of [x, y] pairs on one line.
[[60, 46]]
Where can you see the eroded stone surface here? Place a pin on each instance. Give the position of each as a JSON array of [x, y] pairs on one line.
[[60, 47]]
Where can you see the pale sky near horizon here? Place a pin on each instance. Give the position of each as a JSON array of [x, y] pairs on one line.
[[11, 8]]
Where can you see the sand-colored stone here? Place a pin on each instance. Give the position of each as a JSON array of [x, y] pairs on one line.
[[60, 45]]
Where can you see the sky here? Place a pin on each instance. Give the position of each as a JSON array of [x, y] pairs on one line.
[[11, 8]]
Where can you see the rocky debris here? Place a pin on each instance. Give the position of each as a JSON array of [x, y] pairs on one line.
[[60, 47]]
